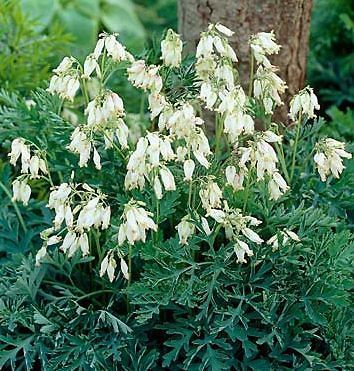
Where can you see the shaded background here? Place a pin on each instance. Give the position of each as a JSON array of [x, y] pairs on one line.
[[56, 27]]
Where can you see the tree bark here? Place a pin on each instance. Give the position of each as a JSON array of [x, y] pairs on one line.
[[290, 20]]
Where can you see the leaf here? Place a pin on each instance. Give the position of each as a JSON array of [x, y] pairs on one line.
[[177, 344], [116, 323], [84, 30], [119, 16], [314, 315], [40, 10]]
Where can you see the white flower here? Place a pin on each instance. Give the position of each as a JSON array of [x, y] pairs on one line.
[[84, 244], [328, 157], [42, 252], [304, 103], [90, 65], [108, 265], [205, 67], [188, 168], [80, 144], [65, 86], [168, 179], [115, 49], [237, 122], [223, 29], [181, 153], [53, 240], [185, 230], [277, 186], [136, 221], [34, 167], [98, 48], [233, 179], [122, 133], [157, 103], [225, 73], [262, 44], [253, 236], [205, 45], [105, 217], [266, 159], [268, 86], [21, 191], [124, 268], [145, 77], [208, 95], [59, 195], [64, 66], [233, 100], [218, 215], [97, 159], [69, 240], [166, 150], [158, 188], [286, 235], [211, 196], [241, 249], [17, 147], [171, 48], [205, 226]]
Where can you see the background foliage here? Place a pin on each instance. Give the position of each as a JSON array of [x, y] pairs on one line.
[[192, 308]]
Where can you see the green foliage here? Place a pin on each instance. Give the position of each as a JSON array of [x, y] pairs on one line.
[[84, 19], [331, 59], [188, 307], [26, 54], [193, 308]]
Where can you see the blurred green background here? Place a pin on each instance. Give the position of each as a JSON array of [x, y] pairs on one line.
[[35, 34]]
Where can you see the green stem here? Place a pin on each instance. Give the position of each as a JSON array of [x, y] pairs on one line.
[[60, 106], [218, 134], [247, 192], [92, 294], [250, 86], [116, 147], [295, 148], [84, 91], [281, 156], [17, 210], [130, 275]]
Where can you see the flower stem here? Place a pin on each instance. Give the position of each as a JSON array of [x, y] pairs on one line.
[[281, 155], [218, 135], [130, 276], [298, 127], [250, 86]]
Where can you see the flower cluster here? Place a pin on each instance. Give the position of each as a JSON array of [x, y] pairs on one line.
[[105, 111], [31, 167], [328, 157], [304, 104], [136, 221], [187, 226], [174, 153], [261, 155], [263, 44], [286, 235], [237, 228], [171, 49], [65, 82], [214, 67], [80, 208]]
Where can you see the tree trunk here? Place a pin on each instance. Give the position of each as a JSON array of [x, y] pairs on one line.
[[290, 20]]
